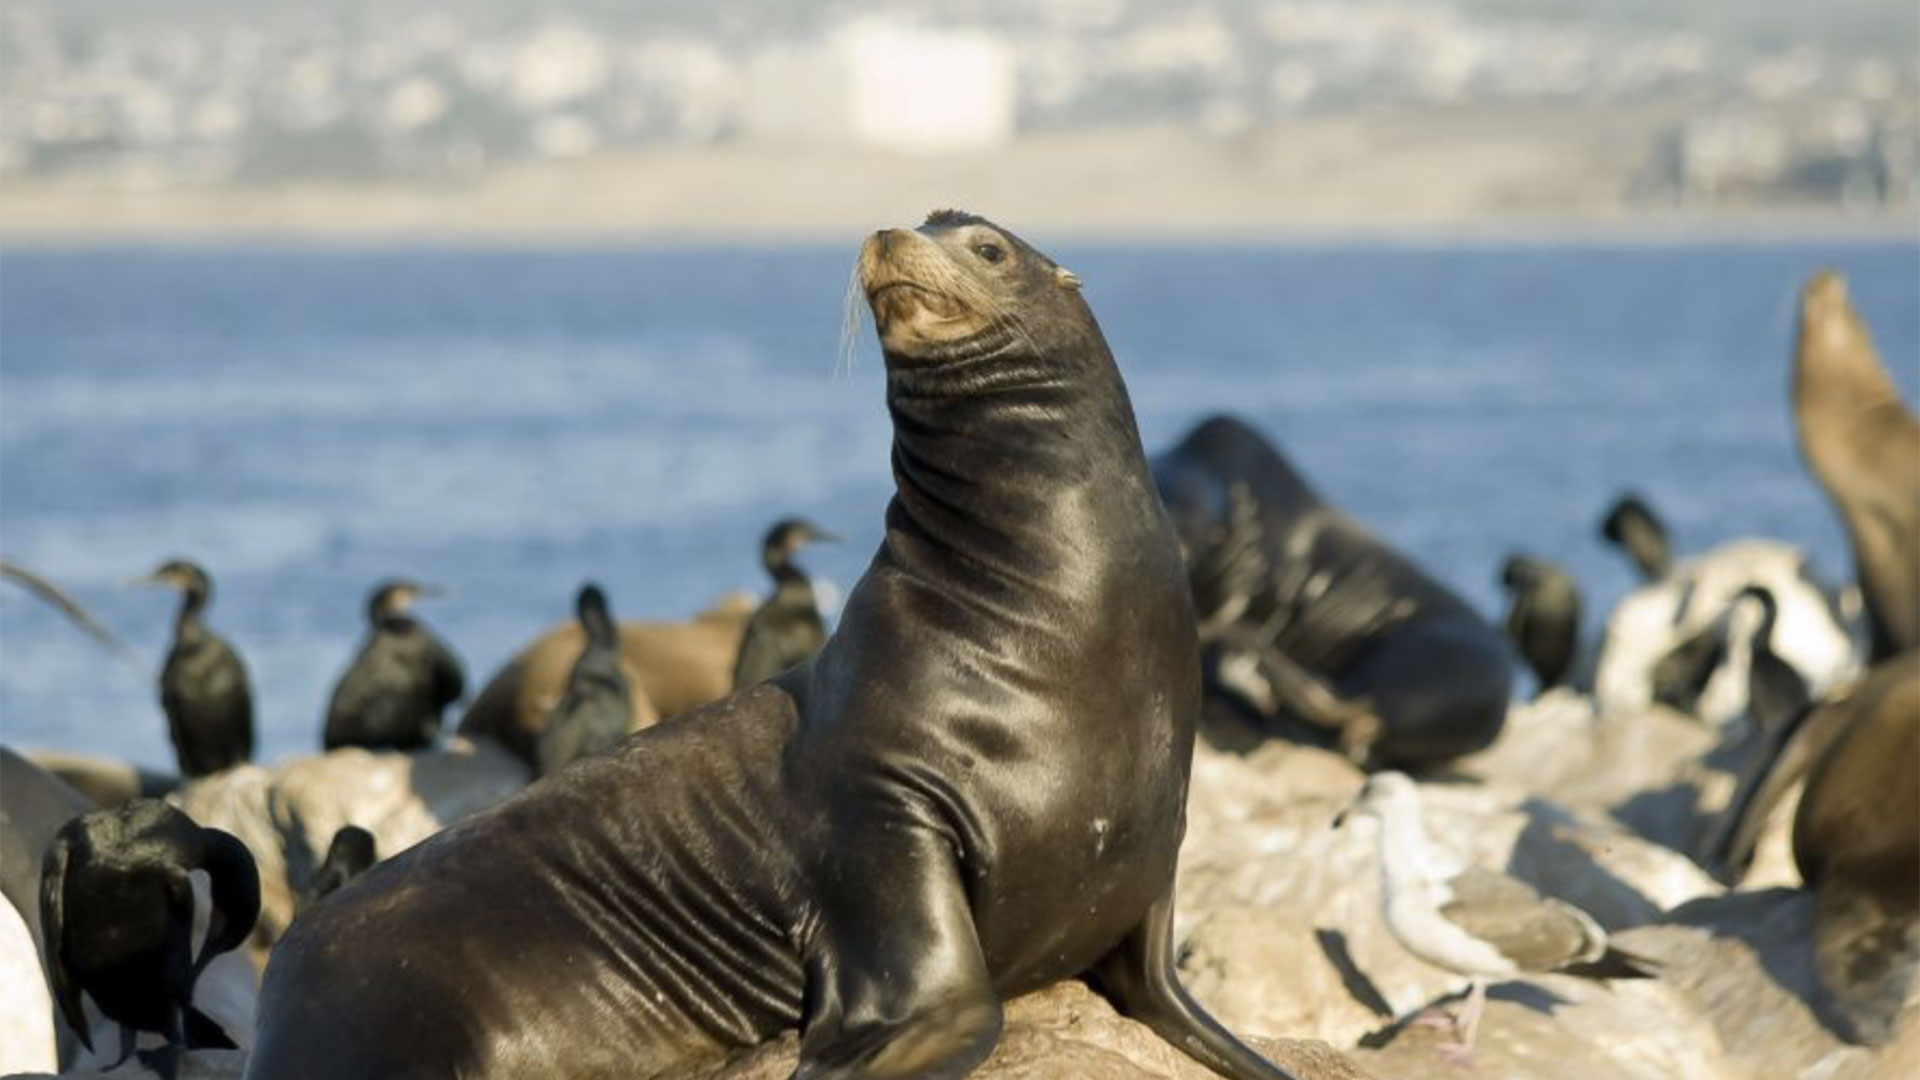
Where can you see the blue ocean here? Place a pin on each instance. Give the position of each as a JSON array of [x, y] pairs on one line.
[[510, 423]]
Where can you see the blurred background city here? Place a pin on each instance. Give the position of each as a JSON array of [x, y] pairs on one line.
[[786, 116]]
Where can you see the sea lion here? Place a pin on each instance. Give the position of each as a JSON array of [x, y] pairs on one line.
[[976, 788], [1856, 841], [1308, 616], [1863, 444], [670, 668]]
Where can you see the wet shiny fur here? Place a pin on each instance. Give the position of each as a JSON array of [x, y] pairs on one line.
[[975, 789]]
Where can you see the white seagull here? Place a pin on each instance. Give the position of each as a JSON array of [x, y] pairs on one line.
[[1472, 921]]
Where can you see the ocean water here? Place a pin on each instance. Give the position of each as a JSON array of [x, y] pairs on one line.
[[509, 423]]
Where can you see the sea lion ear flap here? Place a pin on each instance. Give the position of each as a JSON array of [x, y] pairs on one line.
[[53, 922], [235, 888], [1066, 278]]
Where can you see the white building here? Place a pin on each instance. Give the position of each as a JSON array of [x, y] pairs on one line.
[[885, 84]]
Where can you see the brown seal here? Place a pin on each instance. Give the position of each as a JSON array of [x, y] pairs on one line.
[[1863, 444], [975, 789]]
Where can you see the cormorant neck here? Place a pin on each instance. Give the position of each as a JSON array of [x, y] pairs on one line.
[[1647, 547], [187, 623]]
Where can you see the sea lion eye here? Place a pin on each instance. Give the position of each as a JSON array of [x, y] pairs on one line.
[[990, 252]]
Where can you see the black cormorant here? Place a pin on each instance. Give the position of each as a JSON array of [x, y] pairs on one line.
[[127, 924], [1632, 525], [598, 704], [787, 627], [1776, 691], [392, 696], [1544, 621], [348, 856], [203, 687]]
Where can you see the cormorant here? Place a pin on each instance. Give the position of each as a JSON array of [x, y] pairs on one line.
[[1544, 621], [787, 627], [203, 687], [598, 704], [348, 856], [137, 906], [1632, 525], [1776, 691], [392, 696]]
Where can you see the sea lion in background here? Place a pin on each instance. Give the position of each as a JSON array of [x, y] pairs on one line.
[[106, 782], [34, 805], [204, 688], [1308, 616], [140, 909], [1544, 620], [599, 705], [975, 789], [1863, 444], [1632, 525], [349, 854], [1856, 840], [392, 695], [786, 628], [670, 668]]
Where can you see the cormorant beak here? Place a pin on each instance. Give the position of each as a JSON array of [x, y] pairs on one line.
[[145, 581], [430, 590], [821, 536]]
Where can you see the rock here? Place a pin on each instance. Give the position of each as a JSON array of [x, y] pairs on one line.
[[1743, 962], [27, 1041], [287, 816], [1563, 1028], [1066, 1032], [196, 1065], [1280, 912]]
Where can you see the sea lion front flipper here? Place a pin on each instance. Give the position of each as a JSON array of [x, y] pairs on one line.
[[1274, 684], [899, 986], [1138, 978]]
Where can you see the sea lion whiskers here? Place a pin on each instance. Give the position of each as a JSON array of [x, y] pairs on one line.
[[852, 308]]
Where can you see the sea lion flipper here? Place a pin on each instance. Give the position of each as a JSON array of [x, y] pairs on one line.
[[1139, 979], [907, 993], [1276, 684]]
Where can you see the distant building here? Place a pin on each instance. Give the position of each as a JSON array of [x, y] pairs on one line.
[[885, 84]]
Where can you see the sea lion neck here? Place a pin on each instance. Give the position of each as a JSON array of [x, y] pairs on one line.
[[992, 454]]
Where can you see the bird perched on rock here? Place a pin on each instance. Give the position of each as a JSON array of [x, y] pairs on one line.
[[1544, 621], [598, 706], [787, 627], [140, 909], [1632, 525], [1472, 921], [203, 687], [392, 696], [349, 855]]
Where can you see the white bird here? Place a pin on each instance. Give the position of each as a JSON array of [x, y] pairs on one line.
[[1472, 921]]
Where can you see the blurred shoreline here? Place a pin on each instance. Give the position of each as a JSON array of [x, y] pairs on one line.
[[1522, 175]]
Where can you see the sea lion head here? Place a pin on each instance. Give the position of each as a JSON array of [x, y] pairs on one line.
[[960, 286]]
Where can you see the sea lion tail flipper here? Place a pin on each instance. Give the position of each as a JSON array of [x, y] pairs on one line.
[[1139, 979], [899, 985]]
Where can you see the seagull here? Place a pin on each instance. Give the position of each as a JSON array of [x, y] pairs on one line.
[[1473, 921]]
